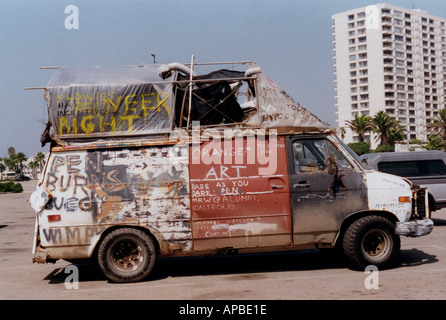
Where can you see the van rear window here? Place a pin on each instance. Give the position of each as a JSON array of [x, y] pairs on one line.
[[413, 168]]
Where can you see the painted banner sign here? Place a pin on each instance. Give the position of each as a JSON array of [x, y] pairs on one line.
[[108, 101]]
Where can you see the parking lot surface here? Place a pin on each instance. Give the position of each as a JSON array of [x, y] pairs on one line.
[[309, 274]]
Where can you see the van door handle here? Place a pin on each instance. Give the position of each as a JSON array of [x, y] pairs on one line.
[[276, 183], [302, 185]]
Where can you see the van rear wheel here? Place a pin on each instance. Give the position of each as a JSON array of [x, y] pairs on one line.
[[126, 255], [371, 240]]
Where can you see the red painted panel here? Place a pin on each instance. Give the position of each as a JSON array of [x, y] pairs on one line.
[[239, 193]]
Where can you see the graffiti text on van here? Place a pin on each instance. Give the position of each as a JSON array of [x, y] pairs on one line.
[[253, 146]]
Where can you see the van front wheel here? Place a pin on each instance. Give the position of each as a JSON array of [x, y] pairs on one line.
[[126, 255], [371, 240]]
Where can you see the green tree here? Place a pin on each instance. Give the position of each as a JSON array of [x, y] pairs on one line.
[[438, 124], [9, 163], [40, 157], [361, 125], [360, 148], [385, 148], [2, 169], [11, 152], [14, 160], [435, 142], [33, 165], [396, 134], [382, 124], [19, 159]]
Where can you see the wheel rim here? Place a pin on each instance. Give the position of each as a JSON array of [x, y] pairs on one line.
[[127, 256], [376, 244]]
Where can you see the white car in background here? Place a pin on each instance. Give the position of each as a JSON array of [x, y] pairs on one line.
[[423, 168]]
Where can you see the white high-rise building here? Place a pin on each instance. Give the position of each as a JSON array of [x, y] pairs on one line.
[[392, 59]]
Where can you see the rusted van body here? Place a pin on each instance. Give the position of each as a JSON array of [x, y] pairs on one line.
[[215, 190]]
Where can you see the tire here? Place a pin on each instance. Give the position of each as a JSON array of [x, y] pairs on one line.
[[371, 240], [126, 255]]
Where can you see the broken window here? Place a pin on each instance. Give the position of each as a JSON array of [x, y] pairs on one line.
[[213, 101], [313, 156]]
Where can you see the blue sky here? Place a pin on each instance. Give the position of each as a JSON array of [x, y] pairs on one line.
[[290, 40]]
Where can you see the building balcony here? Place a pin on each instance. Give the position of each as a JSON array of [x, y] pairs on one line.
[[390, 103], [386, 21], [388, 54]]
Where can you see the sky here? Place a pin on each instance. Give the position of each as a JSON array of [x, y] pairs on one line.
[[290, 39]]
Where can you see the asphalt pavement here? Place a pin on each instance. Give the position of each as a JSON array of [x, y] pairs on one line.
[[303, 275]]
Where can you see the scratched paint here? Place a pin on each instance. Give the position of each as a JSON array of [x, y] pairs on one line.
[[95, 189]]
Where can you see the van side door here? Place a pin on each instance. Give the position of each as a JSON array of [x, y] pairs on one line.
[[233, 205], [323, 192]]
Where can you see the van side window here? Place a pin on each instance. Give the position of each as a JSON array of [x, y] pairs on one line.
[[312, 156], [339, 158], [413, 168]]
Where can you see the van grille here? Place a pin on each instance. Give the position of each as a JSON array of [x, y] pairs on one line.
[[419, 205]]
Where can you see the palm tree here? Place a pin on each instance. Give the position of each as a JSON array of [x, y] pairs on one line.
[[382, 123], [438, 124], [33, 165], [40, 157], [435, 142], [396, 134], [9, 163], [2, 169], [361, 125], [11, 152], [20, 158]]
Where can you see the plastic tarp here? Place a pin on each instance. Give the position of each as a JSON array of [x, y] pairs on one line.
[[122, 102], [215, 103], [109, 101], [277, 109]]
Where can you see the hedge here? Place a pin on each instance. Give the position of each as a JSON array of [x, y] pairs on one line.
[[11, 187]]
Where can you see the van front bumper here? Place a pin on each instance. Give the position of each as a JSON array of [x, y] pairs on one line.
[[414, 228]]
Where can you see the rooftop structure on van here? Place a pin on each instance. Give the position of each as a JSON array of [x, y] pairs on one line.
[[150, 101]]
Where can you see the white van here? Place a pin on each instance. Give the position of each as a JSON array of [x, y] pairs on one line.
[[426, 168]]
